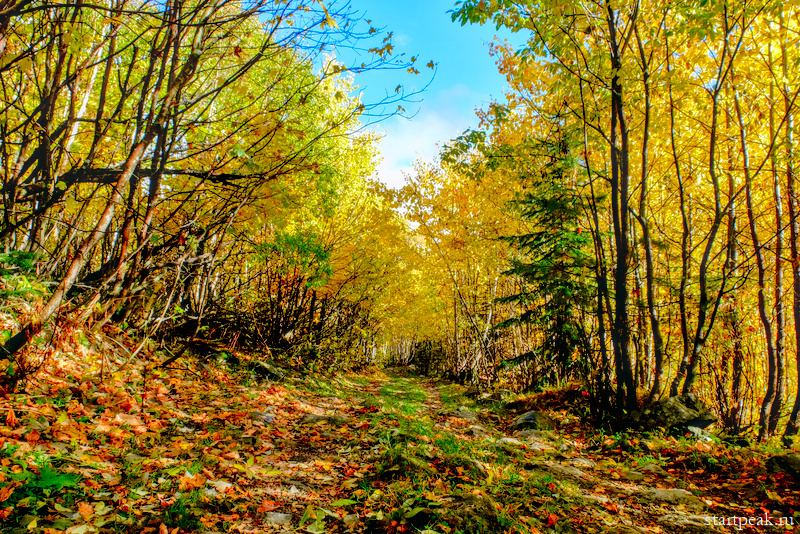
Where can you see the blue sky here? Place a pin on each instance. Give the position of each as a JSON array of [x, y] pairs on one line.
[[466, 78]]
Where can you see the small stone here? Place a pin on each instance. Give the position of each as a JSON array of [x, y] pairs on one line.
[[351, 520], [538, 435], [633, 476], [478, 431], [541, 446], [275, 518], [787, 463], [694, 524], [655, 469], [510, 441], [535, 420], [465, 414], [579, 462], [263, 417], [673, 496]]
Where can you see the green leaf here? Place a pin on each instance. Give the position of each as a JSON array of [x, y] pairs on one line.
[[343, 502], [414, 512]]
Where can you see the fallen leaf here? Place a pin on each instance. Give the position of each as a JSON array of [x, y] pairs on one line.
[[611, 507], [268, 506], [6, 491], [86, 510]]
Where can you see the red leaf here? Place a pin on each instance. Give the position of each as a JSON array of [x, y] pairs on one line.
[[11, 418], [32, 436], [552, 519]]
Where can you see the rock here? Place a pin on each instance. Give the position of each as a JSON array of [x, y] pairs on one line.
[[579, 462], [541, 446], [694, 524], [562, 472], [699, 433], [510, 441], [655, 469], [262, 417], [538, 435], [674, 414], [268, 370], [465, 414], [633, 476], [489, 398], [535, 420], [470, 513], [397, 464], [333, 420], [275, 518], [351, 521], [788, 463], [565, 447], [672, 496], [478, 431]]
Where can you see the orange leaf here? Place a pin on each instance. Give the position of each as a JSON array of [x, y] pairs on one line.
[[86, 510], [6, 491], [611, 506], [163, 529], [268, 506], [552, 519], [11, 418], [32, 436], [190, 483]]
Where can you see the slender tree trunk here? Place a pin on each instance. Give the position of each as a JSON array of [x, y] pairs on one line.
[[763, 314], [780, 313], [647, 243], [620, 180], [793, 424]]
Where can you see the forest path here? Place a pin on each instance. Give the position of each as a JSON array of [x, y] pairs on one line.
[[196, 449]]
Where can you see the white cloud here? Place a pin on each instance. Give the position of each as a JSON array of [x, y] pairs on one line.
[[440, 119]]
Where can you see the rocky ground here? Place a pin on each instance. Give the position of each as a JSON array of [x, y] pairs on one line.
[[196, 450]]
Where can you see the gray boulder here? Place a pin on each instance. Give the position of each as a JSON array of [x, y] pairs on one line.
[[674, 414], [674, 496], [788, 463], [534, 420], [275, 518], [471, 513]]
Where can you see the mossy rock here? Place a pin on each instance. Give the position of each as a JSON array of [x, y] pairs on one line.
[[464, 466], [470, 513], [397, 463]]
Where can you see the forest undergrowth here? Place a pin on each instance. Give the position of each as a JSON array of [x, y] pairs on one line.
[[202, 446]]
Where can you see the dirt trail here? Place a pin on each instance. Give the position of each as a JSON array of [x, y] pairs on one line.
[[381, 452]]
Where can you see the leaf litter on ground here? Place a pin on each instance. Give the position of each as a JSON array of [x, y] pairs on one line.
[[204, 449]]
